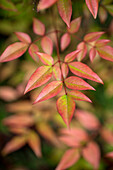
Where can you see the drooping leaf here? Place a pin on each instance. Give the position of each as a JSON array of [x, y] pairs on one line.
[[47, 45], [57, 72], [100, 43], [45, 58], [38, 27], [93, 7], [92, 154], [39, 77], [65, 10], [92, 36], [8, 5], [83, 51], [43, 4], [65, 70], [83, 70], [32, 51], [49, 91], [92, 54], [65, 41], [70, 157], [34, 143], [106, 52], [77, 95], [13, 51], [88, 120], [14, 144], [71, 56], [74, 25], [77, 83], [23, 37], [66, 107]]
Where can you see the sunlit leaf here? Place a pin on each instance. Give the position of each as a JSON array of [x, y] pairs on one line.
[[39, 77], [74, 25], [57, 72], [77, 83], [23, 37], [65, 41], [38, 27], [66, 107], [65, 70], [93, 7], [83, 50], [32, 51], [100, 43], [13, 51], [65, 10], [92, 54], [47, 45], [49, 91], [71, 56], [43, 4], [92, 36], [45, 58], [83, 70], [106, 52]]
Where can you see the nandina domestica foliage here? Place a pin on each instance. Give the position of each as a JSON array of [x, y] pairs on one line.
[[62, 76]]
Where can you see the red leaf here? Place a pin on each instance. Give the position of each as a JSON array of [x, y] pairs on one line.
[[71, 56], [92, 54], [106, 52], [38, 27], [45, 58], [100, 43], [13, 51], [92, 154], [32, 51], [70, 157], [49, 91], [83, 70], [74, 25], [65, 10], [39, 77], [77, 95], [65, 70], [109, 155], [43, 4], [66, 107], [34, 143], [57, 72], [65, 41], [47, 45], [92, 36], [93, 7], [83, 51], [77, 83], [107, 135], [14, 144], [87, 119], [23, 37]]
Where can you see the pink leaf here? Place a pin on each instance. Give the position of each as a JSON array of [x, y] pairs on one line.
[[92, 36], [38, 27], [83, 51], [100, 43], [87, 119], [71, 56], [45, 58], [65, 70], [83, 70], [43, 4], [74, 25], [109, 155], [34, 143], [92, 54], [39, 77], [47, 45], [106, 52], [57, 72], [77, 95], [14, 144], [66, 107], [49, 91], [65, 10], [23, 37], [70, 157], [93, 7], [13, 51], [65, 41], [92, 154], [32, 51], [77, 83], [107, 135]]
